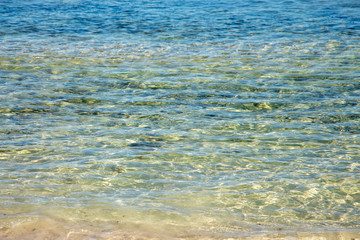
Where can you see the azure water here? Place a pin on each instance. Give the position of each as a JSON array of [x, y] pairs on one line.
[[179, 119]]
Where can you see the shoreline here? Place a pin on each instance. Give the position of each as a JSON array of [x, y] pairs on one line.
[[47, 228]]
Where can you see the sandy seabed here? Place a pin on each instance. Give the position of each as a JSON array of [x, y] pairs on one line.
[[49, 229]]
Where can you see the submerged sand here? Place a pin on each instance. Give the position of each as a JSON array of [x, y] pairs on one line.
[[50, 229]]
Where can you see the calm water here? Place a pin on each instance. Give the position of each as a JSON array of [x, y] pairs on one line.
[[184, 117]]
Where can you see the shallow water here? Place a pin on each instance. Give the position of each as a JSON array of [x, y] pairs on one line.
[[190, 119]]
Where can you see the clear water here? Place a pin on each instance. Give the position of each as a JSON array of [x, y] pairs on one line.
[[183, 117]]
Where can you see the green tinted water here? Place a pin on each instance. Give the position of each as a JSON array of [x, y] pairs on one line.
[[224, 136]]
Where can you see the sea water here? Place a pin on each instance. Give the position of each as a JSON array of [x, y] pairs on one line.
[[179, 119]]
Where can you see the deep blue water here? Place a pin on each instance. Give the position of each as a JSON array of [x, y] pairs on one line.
[[226, 118]]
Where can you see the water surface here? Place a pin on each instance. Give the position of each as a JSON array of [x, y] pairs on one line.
[[189, 119]]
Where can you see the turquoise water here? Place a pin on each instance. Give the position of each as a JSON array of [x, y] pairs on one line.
[[188, 118]]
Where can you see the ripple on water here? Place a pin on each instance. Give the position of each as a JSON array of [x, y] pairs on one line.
[[216, 120]]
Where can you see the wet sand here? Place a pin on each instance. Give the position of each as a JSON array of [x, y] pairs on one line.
[[49, 229]]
